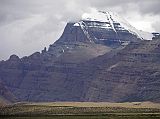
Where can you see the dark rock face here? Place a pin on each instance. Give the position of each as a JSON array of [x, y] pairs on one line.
[[92, 31], [87, 63], [73, 34]]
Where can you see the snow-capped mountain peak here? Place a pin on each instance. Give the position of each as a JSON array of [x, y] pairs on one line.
[[112, 21]]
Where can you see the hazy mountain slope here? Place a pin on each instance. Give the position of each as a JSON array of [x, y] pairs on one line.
[[131, 75]]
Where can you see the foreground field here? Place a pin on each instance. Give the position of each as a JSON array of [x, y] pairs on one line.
[[88, 117], [81, 110], [100, 104]]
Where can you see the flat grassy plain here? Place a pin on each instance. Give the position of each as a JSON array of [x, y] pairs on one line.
[[86, 117], [81, 110]]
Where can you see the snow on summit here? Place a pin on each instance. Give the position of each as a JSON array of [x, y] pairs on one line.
[[95, 16], [115, 22]]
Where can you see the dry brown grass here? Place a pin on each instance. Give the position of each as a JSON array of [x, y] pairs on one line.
[[82, 108], [101, 104]]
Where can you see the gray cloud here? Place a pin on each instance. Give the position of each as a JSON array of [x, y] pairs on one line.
[[156, 25], [149, 6], [27, 26]]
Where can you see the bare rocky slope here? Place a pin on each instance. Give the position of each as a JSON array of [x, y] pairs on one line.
[[92, 61], [130, 75]]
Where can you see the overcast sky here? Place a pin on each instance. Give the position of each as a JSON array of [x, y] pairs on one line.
[[27, 26]]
